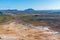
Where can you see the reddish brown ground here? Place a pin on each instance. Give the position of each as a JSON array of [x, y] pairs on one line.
[[14, 31]]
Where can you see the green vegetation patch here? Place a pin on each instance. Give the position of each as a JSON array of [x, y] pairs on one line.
[[27, 18], [5, 18]]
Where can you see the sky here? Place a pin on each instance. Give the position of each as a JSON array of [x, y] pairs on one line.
[[25, 4]]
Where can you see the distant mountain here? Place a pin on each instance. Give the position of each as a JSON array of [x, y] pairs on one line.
[[30, 11]]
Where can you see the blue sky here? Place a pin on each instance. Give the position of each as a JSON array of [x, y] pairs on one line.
[[35, 4]]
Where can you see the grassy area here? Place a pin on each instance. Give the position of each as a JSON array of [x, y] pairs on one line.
[[27, 18], [5, 18], [31, 19]]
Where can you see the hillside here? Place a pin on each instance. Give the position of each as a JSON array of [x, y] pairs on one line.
[[13, 31], [27, 27]]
